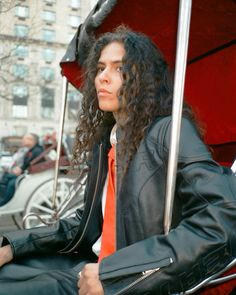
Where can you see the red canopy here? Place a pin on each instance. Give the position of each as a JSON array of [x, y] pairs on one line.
[[211, 72]]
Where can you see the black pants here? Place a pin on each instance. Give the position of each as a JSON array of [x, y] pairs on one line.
[[8, 183], [41, 275]]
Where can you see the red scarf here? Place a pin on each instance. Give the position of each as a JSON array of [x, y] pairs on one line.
[[108, 245]]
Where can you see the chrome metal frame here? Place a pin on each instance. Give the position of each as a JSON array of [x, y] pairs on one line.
[[180, 69], [56, 215], [213, 280], [60, 135]]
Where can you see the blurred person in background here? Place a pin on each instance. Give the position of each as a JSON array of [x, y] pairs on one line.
[[29, 151], [17, 159]]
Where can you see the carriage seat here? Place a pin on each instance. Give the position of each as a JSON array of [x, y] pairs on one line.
[[224, 153], [47, 159]]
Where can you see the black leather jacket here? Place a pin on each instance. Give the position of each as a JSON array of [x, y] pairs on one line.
[[33, 153], [202, 239]]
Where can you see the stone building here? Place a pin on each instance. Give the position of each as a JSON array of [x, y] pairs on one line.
[[34, 35]]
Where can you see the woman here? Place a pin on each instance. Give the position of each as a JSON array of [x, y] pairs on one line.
[[125, 119]]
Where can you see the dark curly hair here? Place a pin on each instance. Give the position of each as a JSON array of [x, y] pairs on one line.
[[146, 93]]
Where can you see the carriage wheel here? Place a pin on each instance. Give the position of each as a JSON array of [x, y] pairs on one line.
[[17, 219], [40, 202]]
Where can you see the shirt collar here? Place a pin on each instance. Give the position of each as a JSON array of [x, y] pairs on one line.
[[113, 139]]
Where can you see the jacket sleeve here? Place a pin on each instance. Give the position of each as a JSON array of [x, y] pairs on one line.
[[45, 239], [201, 244]]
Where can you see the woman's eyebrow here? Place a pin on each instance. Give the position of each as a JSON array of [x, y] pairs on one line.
[[100, 62]]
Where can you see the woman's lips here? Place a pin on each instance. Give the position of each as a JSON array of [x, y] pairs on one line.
[[103, 91]]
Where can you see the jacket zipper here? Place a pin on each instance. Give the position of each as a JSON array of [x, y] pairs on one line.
[[91, 208], [145, 274]]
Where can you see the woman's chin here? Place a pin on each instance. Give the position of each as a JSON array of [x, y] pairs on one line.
[[108, 108]]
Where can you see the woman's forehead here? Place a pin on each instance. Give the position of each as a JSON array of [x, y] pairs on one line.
[[113, 51]]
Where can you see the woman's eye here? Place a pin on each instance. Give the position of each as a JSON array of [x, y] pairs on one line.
[[119, 69], [99, 70]]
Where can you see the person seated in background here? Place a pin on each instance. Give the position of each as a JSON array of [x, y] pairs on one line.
[[17, 159], [30, 142]]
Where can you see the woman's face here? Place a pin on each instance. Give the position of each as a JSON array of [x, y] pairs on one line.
[[108, 80]]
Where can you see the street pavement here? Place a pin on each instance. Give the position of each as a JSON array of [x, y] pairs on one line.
[[6, 224]]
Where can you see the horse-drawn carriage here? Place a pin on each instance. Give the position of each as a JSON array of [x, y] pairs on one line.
[[209, 89], [204, 74], [34, 190]]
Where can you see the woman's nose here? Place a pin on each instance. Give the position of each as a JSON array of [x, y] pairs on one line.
[[104, 76]]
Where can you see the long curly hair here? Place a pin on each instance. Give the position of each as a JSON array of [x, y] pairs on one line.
[[146, 93]]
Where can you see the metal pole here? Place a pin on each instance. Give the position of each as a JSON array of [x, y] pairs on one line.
[[180, 69], [60, 135]]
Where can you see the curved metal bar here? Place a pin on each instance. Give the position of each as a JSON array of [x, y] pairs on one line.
[[180, 69], [73, 191], [222, 280], [39, 218], [59, 143], [211, 280]]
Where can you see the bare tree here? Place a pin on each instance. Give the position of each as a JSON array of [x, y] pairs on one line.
[[6, 5], [9, 46]]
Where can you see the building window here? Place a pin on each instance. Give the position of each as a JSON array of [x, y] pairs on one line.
[[1, 51], [20, 100], [49, 35], [47, 102], [75, 4], [49, 2], [21, 51], [74, 98], [74, 21], [20, 71], [21, 31], [48, 54], [22, 11], [19, 111], [49, 16], [47, 74], [20, 91]]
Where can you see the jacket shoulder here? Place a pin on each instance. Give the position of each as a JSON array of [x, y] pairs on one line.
[[191, 145], [38, 148]]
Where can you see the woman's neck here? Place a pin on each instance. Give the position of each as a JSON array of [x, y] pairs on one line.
[[120, 118]]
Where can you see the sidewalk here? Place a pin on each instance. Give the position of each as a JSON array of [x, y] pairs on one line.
[[6, 224]]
